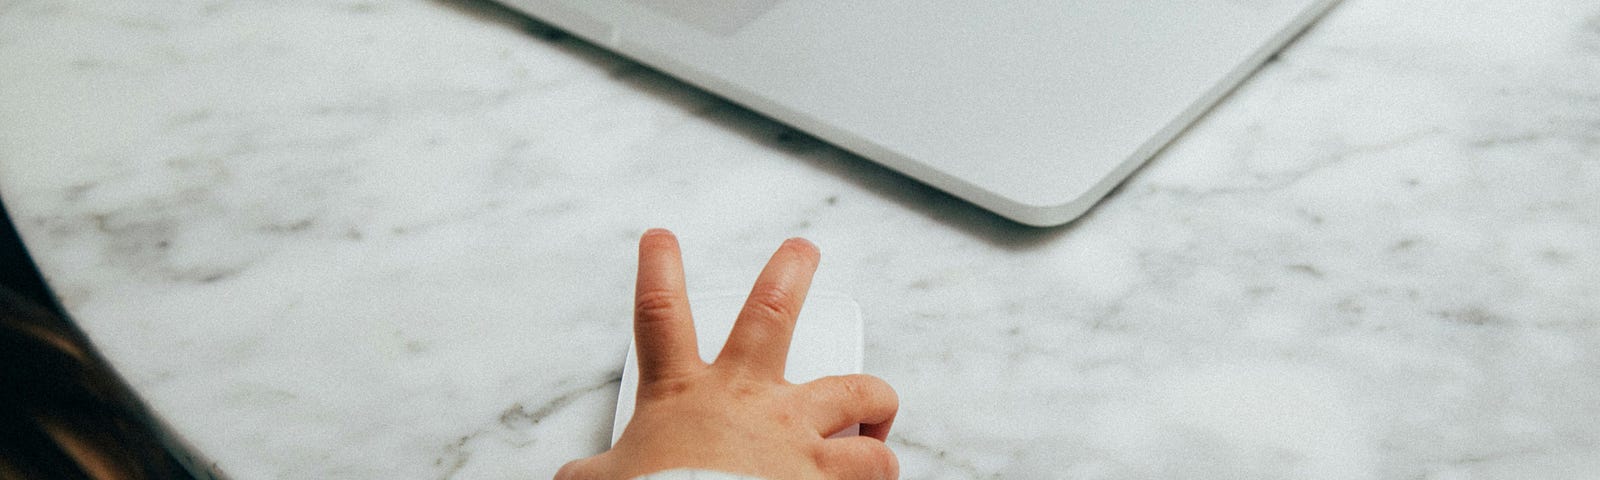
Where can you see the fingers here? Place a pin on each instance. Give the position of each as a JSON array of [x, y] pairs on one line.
[[837, 402], [663, 329], [759, 342], [858, 458]]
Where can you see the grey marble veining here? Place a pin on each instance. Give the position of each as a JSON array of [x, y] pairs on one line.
[[395, 240]]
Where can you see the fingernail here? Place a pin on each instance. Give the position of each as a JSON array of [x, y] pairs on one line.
[[803, 240], [656, 231]]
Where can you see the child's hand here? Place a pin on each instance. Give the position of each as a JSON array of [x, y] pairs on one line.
[[738, 415]]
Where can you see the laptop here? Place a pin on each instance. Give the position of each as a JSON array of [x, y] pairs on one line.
[[1032, 109]]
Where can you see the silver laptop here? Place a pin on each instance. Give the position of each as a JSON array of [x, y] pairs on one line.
[[1033, 109]]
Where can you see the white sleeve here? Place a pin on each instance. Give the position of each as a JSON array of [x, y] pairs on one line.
[[687, 474]]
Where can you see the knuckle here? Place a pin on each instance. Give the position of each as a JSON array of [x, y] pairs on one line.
[[655, 304], [855, 387], [892, 396], [862, 387], [745, 390], [773, 302], [663, 388]]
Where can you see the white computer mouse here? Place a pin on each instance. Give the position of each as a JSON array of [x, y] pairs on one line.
[[827, 341]]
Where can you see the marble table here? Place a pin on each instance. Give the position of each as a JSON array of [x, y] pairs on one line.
[[369, 239]]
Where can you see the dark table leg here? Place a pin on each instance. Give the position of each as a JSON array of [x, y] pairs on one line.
[[63, 412]]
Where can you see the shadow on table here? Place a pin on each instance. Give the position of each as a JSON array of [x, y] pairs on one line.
[[904, 191]]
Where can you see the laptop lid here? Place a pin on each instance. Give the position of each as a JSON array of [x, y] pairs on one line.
[[1033, 109]]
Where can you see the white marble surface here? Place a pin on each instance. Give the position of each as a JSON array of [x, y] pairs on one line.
[[353, 239]]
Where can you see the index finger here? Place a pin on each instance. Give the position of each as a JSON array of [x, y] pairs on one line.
[[663, 329], [759, 342]]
